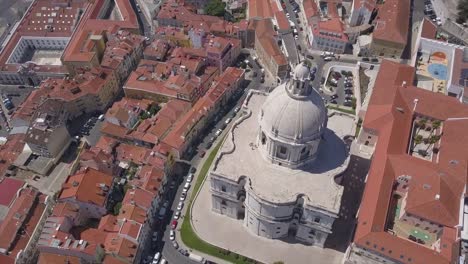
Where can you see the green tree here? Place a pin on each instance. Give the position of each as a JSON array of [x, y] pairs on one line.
[[421, 124], [215, 8], [417, 140], [462, 11], [278, 262], [117, 208]]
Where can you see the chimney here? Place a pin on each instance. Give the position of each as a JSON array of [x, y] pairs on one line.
[[403, 84], [437, 196]]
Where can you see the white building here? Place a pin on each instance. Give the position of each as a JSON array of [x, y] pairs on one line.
[[361, 12], [276, 170]]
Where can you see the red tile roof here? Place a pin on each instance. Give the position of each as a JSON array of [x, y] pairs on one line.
[[86, 187], [89, 24], [132, 212], [106, 144], [429, 30], [138, 197], [122, 247], [10, 151], [18, 216], [60, 15], [176, 137], [66, 209], [149, 178], [262, 8], [265, 33], [49, 258], [8, 190], [131, 153], [392, 21], [333, 25], [282, 20], [390, 115]]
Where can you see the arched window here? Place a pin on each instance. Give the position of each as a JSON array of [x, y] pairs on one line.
[[263, 138], [282, 152]]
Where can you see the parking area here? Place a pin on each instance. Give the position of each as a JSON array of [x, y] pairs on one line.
[[11, 97], [339, 87]]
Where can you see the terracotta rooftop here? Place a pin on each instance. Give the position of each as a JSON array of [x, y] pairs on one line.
[[390, 115], [8, 190], [132, 212], [264, 33], [262, 8], [392, 21], [149, 178], [311, 9], [50, 258], [106, 144], [66, 209], [138, 197], [85, 83], [88, 186], [10, 151], [367, 4], [78, 48], [183, 126], [282, 20], [23, 213], [123, 109], [131, 153], [429, 30], [334, 26], [44, 19], [121, 247]]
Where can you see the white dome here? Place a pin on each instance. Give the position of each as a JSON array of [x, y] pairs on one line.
[[293, 119], [301, 72]]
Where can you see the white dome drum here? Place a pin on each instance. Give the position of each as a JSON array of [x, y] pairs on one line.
[[292, 121]]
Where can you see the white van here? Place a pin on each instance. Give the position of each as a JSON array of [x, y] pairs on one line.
[[101, 117], [163, 261]]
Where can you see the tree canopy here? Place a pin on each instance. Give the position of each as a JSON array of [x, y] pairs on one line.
[[462, 11], [215, 8]]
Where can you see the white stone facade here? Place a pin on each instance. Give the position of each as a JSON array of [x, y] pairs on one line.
[[279, 198]]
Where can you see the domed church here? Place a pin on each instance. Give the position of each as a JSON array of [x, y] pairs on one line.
[[277, 166]]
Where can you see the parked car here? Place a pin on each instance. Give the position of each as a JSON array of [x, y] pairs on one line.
[[365, 59], [176, 215], [156, 258], [180, 206], [189, 178], [236, 109], [228, 121], [175, 244], [183, 196], [328, 59], [202, 153], [334, 96], [375, 60], [172, 235], [174, 224], [348, 91]]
